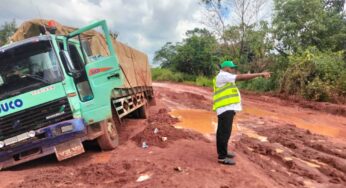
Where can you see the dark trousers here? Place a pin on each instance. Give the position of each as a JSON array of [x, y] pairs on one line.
[[224, 129]]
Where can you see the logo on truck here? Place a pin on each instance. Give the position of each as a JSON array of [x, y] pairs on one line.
[[94, 71], [5, 107]]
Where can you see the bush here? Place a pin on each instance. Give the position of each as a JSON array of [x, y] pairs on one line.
[[317, 90], [341, 84], [315, 75], [257, 84], [162, 74], [204, 81]]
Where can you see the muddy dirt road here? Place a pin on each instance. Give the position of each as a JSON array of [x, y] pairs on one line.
[[278, 144]]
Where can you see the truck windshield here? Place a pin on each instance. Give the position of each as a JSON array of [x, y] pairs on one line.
[[27, 67]]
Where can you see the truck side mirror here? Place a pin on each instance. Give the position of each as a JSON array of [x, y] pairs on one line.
[[67, 62]]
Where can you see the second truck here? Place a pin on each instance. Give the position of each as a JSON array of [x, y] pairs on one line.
[[60, 86]]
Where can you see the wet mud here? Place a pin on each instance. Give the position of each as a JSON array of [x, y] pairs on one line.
[[278, 144]]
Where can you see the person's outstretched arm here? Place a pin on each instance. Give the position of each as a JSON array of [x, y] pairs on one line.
[[242, 77]]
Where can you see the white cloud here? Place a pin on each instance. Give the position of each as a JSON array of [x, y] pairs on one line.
[[143, 24]]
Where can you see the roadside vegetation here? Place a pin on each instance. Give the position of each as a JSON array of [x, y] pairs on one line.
[[303, 46], [164, 74]]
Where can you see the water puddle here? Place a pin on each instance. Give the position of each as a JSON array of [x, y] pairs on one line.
[[199, 120], [206, 122]]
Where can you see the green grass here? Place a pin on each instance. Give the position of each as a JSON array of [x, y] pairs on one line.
[[161, 74], [204, 81]]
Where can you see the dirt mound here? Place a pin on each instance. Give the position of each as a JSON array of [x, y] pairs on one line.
[[160, 131], [296, 157], [197, 101]]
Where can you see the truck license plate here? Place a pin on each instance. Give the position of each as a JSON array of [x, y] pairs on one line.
[[69, 149]]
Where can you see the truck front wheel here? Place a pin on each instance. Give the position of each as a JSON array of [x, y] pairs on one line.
[[110, 139]]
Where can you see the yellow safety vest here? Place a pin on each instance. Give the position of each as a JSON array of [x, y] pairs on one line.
[[225, 95]]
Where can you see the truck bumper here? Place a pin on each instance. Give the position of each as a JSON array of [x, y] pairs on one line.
[[44, 143]]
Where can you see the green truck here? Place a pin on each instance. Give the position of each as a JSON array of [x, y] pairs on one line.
[[61, 86]]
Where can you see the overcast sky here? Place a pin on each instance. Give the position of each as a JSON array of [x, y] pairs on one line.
[[143, 24]]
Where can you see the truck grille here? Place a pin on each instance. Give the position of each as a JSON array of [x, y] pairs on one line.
[[35, 118]]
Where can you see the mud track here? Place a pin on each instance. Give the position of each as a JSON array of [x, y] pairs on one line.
[[276, 145]]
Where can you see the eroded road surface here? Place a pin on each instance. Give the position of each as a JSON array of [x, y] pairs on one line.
[[278, 144]]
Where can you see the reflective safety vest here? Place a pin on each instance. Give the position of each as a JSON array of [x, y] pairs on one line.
[[225, 95]]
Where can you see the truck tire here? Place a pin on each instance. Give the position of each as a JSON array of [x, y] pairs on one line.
[[110, 139]]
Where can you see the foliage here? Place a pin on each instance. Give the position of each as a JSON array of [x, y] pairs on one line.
[[195, 55], [6, 30], [299, 24], [163, 74], [257, 84], [315, 75], [204, 81]]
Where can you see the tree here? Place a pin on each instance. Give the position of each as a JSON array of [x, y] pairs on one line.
[[194, 55], [165, 56], [244, 17], [215, 18], [6, 31], [257, 46], [334, 5], [300, 24], [247, 12]]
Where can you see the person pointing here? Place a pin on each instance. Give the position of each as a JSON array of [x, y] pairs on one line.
[[226, 102]]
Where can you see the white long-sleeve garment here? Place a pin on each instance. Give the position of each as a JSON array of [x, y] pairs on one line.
[[221, 79]]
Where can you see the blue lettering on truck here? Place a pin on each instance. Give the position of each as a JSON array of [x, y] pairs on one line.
[[11, 105]]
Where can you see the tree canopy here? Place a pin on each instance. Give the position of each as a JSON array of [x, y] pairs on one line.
[[299, 24], [6, 30], [194, 55]]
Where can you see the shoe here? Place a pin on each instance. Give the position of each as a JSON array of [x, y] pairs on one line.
[[230, 155], [226, 161]]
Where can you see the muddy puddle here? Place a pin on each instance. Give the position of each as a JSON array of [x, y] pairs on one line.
[[199, 120], [206, 122]]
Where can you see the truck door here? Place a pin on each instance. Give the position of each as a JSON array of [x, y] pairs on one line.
[[99, 72]]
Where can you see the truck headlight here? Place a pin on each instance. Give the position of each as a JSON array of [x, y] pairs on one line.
[[31, 134], [2, 144]]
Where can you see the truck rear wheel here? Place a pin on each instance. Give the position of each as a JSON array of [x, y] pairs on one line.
[[110, 139]]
